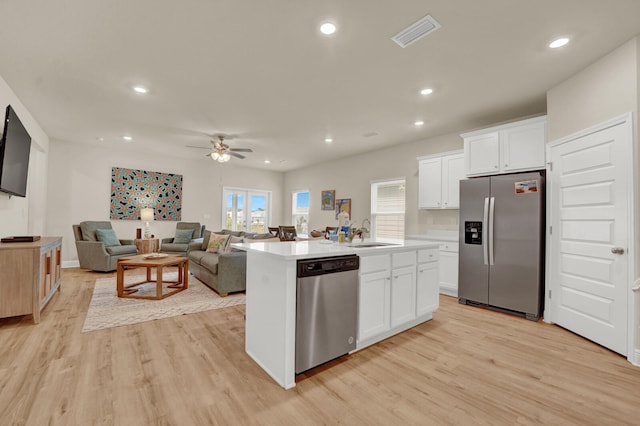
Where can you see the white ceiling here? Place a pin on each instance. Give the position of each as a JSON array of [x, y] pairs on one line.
[[261, 72]]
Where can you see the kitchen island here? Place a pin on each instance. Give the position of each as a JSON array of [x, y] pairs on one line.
[[398, 289]]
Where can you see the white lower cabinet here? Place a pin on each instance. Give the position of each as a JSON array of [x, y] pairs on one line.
[[449, 269], [403, 295], [374, 312], [394, 294], [427, 294]]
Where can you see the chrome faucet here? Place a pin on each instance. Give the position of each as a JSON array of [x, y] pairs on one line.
[[364, 231]]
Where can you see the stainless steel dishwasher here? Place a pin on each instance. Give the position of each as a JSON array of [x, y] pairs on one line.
[[326, 309]]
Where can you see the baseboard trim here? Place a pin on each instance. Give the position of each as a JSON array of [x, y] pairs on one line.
[[70, 264]]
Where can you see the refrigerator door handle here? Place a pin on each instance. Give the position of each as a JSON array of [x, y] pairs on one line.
[[485, 220], [492, 204]]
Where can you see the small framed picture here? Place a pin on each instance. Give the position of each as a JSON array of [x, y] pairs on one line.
[[328, 201], [343, 205]]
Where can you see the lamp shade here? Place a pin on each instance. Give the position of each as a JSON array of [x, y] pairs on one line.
[[146, 214]]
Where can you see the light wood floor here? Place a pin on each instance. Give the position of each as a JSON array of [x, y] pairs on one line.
[[466, 366]]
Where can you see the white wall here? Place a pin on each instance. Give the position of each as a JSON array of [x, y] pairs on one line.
[[606, 89], [351, 178], [25, 216], [603, 90], [80, 188]]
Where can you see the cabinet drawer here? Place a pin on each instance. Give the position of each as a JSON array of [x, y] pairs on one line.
[[407, 258], [449, 246], [428, 255], [375, 263]]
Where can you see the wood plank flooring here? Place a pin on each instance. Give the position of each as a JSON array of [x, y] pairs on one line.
[[468, 366]]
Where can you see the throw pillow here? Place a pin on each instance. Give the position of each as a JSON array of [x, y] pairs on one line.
[[217, 243], [108, 237], [183, 236], [232, 240]]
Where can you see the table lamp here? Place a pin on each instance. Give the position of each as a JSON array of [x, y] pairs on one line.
[[146, 215]]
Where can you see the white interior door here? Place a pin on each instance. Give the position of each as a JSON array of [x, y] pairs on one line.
[[590, 239]]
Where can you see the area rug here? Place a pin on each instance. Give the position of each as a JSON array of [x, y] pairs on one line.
[[108, 310]]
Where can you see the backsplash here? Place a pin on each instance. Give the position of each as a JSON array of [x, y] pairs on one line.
[[445, 220]]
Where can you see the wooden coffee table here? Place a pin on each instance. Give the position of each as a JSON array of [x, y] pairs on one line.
[[144, 261]]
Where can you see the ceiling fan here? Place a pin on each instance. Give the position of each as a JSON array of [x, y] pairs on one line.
[[222, 152]]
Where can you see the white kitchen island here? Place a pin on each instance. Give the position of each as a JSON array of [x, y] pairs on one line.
[[398, 289]]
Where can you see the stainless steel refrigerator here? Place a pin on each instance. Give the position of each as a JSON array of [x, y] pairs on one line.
[[501, 262]]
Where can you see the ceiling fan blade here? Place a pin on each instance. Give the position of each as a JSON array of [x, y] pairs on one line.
[[237, 155], [198, 147], [241, 149]]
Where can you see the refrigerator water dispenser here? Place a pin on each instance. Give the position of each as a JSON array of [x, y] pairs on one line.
[[473, 233]]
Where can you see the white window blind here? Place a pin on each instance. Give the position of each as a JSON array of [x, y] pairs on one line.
[[387, 209]]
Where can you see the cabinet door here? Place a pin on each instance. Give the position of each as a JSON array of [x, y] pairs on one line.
[[427, 288], [430, 184], [403, 290], [482, 154], [449, 273], [452, 172], [522, 147], [373, 310], [45, 273]]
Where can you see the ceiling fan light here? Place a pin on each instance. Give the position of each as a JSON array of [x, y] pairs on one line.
[[215, 155], [224, 158]]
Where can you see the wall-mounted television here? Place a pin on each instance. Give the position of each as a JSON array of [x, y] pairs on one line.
[[15, 147]]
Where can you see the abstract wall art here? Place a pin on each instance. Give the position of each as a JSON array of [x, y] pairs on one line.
[[132, 190]]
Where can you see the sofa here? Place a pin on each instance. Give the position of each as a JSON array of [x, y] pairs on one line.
[[225, 271]]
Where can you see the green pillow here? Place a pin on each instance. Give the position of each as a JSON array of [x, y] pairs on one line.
[[108, 237], [183, 236]]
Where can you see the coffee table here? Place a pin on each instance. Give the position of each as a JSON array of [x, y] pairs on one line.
[[148, 262]]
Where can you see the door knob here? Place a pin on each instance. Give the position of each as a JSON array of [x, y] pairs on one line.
[[617, 250]]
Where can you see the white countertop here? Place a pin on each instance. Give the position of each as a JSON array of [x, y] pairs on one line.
[[324, 248]]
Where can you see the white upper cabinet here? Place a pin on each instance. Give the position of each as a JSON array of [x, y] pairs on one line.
[[512, 147], [439, 181]]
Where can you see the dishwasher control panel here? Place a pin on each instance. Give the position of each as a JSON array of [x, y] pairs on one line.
[[327, 265]]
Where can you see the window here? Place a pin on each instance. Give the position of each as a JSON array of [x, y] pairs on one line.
[[387, 209], [237, 201], [300, 211]]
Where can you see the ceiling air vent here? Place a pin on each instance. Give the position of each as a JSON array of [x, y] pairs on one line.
[[416, 31]]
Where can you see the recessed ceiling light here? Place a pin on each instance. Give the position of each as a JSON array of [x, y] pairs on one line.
[[418, 123], [127, 138], [426, 91], [327, 28], [267, 162], [328, 140], [140, 89], [558, 42]]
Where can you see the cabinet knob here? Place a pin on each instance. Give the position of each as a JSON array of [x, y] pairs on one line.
[[506, 165]]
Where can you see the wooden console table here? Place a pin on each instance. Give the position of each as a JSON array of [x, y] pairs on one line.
[[29, 276]]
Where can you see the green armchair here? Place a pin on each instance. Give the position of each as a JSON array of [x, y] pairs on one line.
[[98, 247], [179, 244]]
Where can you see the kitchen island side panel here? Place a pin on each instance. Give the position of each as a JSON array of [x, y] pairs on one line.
[[271, 315]]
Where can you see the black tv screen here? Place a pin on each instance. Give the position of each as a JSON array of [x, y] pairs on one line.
[[15, 147]]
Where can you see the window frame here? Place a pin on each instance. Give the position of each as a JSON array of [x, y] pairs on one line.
[[295, 213], [247, 193], [402, 182]]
